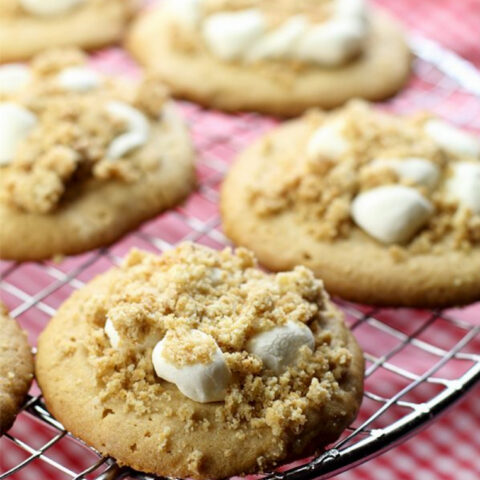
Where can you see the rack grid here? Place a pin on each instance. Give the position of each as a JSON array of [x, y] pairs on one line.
[[420, 363]]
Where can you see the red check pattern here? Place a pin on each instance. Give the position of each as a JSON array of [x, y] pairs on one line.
[[450, 448]]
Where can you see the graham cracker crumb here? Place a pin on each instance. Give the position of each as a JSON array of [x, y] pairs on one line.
[[195, 461], [164, 438], [182, 348]]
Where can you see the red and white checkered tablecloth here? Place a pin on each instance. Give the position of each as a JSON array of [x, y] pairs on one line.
[[450, 448]]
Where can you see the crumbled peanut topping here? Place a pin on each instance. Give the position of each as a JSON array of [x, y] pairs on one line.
[[320, 190], [224, 295], [69, 144]]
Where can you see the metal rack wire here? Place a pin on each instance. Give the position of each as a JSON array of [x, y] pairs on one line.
[[444, 368]]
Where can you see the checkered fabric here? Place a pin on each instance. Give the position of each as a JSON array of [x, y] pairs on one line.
[[412, 356]]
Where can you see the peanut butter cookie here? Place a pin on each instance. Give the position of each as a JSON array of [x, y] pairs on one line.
[[279, 57], [385, 209], [16, 369], [174, 364], [28, 27], [84, 158]]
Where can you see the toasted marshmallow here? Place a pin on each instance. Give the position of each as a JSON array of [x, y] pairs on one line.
[[230, 35], [112, 334], [138, 129], [79, 79], [281, 42], [278, 347], [392, 213], [418, 170], [333, 42], [13, 77], [49, 7], [16, 122], [465, 185], [452, 139], [187, 12], [200, 382], [328, 141]]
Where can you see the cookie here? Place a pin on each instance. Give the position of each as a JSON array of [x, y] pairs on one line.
[[84, 158], [385, 209], [16, 369], [278, 58], [174, 364], [28, 27]]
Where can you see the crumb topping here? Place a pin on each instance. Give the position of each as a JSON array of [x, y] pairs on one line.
[[277, 12], [320, 190], [70, 142], [182, 348], [224, 295]]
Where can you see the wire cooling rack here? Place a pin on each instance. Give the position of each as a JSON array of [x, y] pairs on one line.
[[418, 362]]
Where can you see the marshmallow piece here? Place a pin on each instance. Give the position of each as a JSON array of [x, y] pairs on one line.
[[452, 139], [188, 12], [333, 42], [16, 123], [79, 79], [137, 133], [13, 77], [112, 334], [281, 42], [328, 141], [49, 7], [351, 8], [278, 347], [421, 171], [465, 185], [391, 214], [200, 382], [230, 35]]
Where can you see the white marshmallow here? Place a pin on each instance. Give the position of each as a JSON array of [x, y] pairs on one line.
[[281, 42], [138, 129], [49, 7], [392, 213], [278, 347], [112, 334], [16, 123], [13, 77], [333, 42], [452, 139], [188, 12], [351, 8], [328, 141], [200, 382], [465, 185], [421, 171], [79, 79], [230, 35]]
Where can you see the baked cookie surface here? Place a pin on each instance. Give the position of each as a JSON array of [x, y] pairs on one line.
[[385, 209], [84, 158], [28, 27], [16, 369], [279, 58], [174, 364]]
